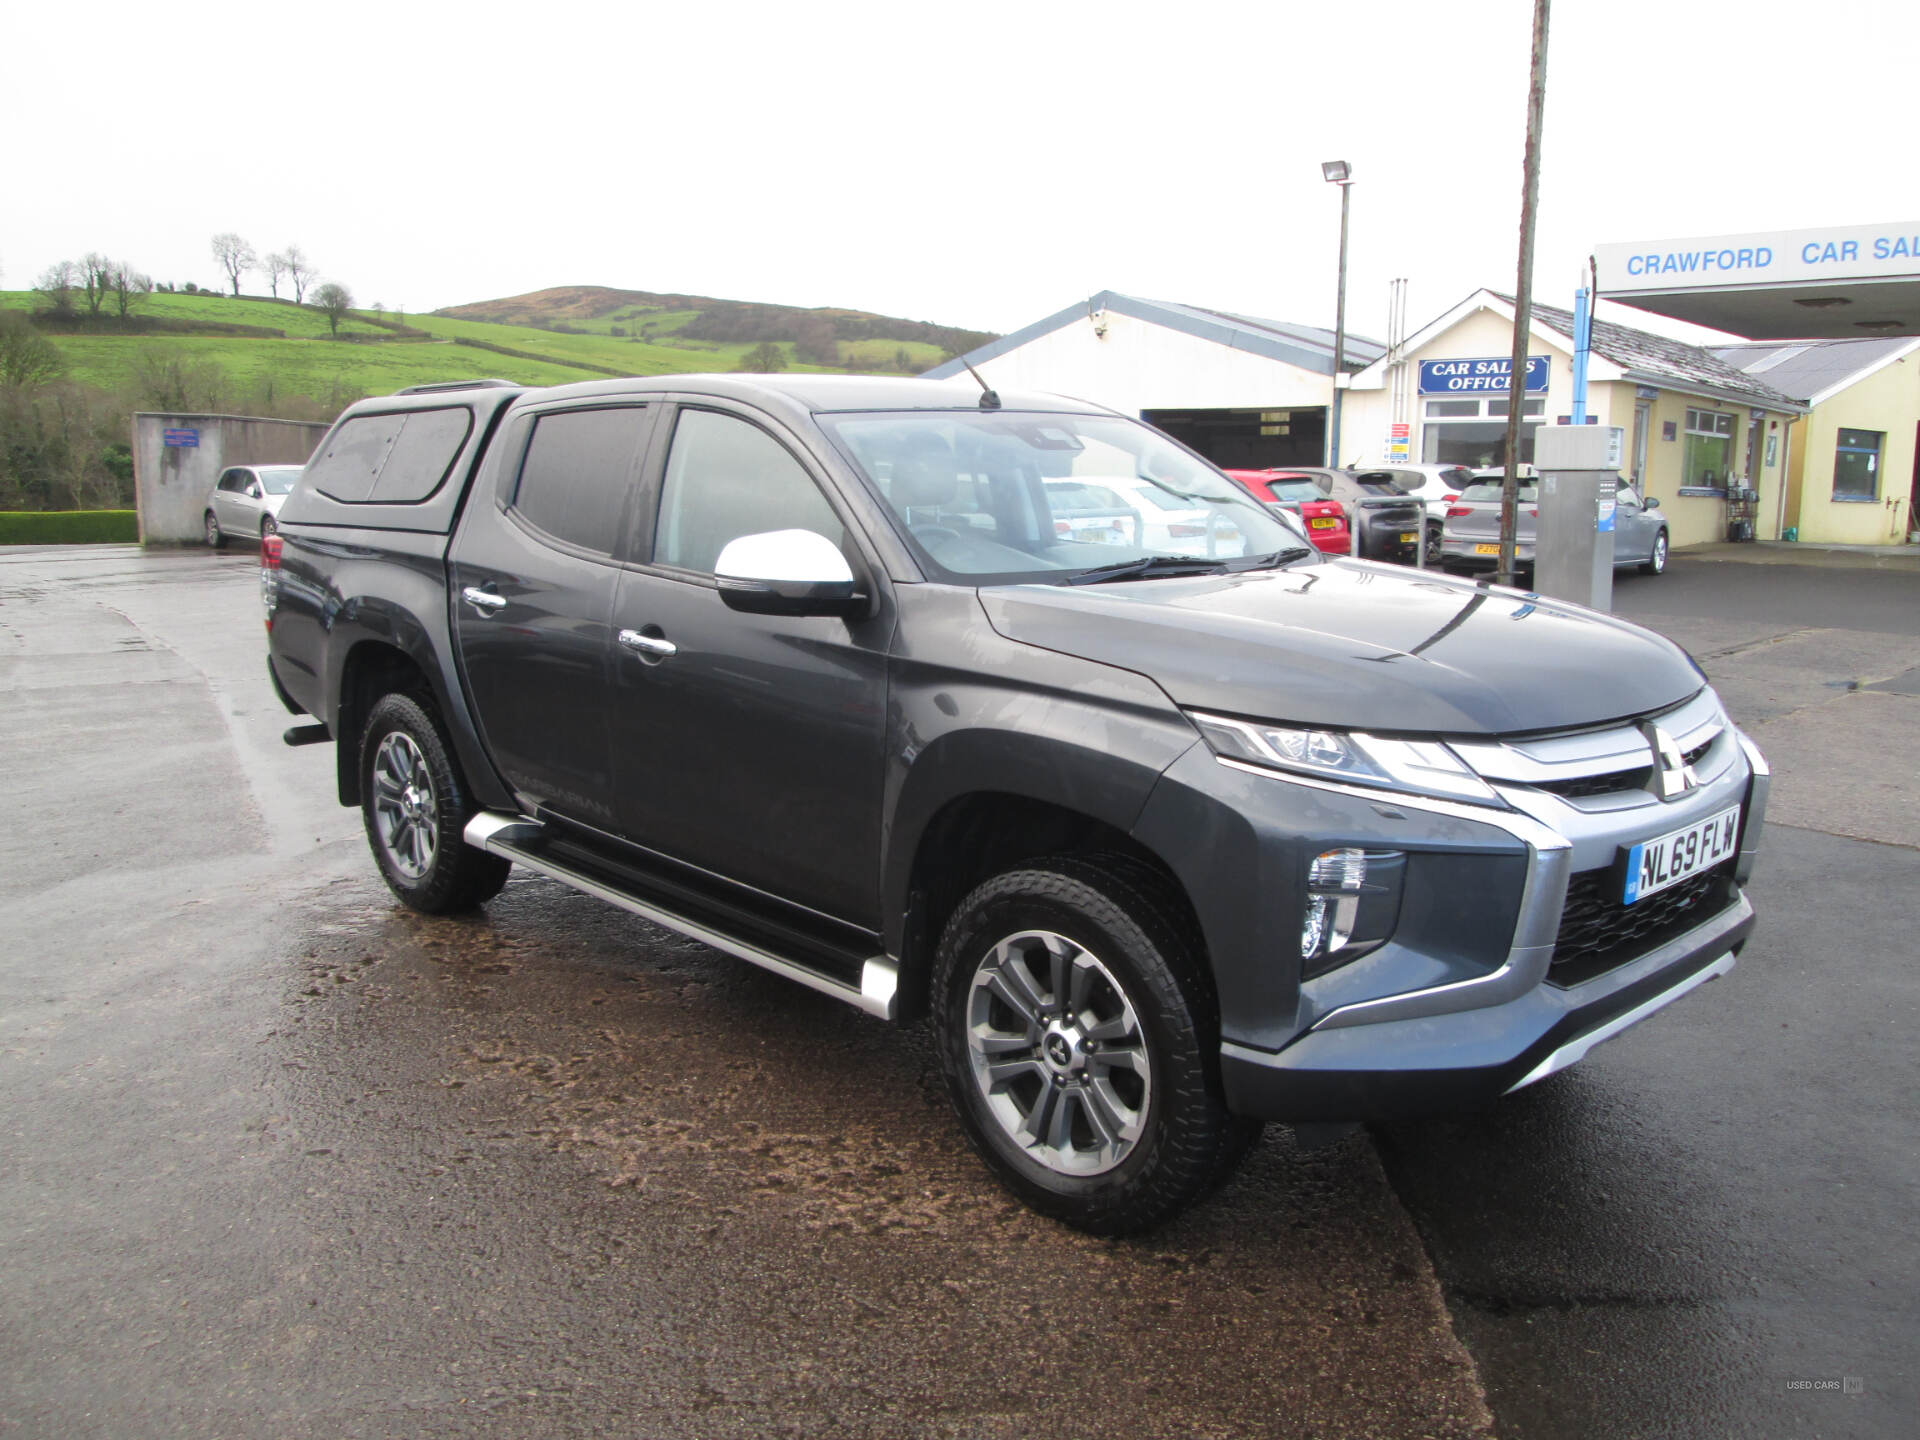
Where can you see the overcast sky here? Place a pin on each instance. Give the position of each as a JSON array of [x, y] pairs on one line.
[[978, 163]]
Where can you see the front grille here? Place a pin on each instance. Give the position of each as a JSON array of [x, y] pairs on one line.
[[1614, 781], [1598, 933]]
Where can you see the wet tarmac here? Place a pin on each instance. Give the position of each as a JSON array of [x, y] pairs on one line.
[[280, 1158]]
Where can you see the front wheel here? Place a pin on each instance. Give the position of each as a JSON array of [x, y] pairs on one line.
[[1433, 546], [268, 526], [1077, 1037], [414, 802], [210, 524], [1657, 561]]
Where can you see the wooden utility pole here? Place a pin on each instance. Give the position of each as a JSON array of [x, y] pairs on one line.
[[1523, 293]]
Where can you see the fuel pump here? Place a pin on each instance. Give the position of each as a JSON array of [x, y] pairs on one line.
[[1579, 469]]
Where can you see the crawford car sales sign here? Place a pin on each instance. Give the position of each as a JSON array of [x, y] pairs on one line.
[[1491, 376]]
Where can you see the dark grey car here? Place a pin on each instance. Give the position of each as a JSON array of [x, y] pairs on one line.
[[1163, 845], [1470, 539]]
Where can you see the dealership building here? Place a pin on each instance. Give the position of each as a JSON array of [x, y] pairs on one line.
[[1813, 436]]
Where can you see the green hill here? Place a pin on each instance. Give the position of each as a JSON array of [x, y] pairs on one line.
[[63, 441]]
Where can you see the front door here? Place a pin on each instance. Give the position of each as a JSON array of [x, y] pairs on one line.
[[753, 747], [534, 578]]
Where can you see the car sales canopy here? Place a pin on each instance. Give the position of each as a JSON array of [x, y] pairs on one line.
[[1844, 282]]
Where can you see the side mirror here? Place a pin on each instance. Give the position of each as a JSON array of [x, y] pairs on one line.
[[253, 490], [1653, 502], [787, 572]]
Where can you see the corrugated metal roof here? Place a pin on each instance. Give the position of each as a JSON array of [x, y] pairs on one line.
[[1305, 347], [1811, 367], [1653, 358]]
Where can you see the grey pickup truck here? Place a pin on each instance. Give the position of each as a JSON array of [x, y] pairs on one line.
[[1165, 837]]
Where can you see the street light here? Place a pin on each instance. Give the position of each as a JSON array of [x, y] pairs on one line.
[[1338, 172]]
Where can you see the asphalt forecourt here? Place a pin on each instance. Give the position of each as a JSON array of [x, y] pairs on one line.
[[284, 1158]]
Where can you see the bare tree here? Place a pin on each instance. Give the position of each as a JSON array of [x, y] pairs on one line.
[[94, 271], [276, 266], [299, 271], [56, 284], [129, 286], [26, 356], [334, 299], [235, 255]]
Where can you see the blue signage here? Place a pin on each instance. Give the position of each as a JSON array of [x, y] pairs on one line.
[[180, 439], [1492, 376]]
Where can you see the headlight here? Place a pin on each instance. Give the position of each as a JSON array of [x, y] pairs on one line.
[[1423, 767]]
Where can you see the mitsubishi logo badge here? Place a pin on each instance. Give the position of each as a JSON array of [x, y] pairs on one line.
[[1672, 776]]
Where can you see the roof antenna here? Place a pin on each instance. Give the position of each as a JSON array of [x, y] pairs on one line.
[[988, 399]]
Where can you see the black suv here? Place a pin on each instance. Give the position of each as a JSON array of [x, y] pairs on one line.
[[1167, 836]]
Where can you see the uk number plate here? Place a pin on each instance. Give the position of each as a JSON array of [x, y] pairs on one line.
[[1486, 549], [1653, 865], [1323, 522], [1406, 537]]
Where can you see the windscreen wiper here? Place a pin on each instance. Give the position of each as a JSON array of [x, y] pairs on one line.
[[1149, 567]]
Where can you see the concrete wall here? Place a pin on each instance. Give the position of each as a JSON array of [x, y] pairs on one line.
[[1137, 365], [171, 484], [1887, 401]]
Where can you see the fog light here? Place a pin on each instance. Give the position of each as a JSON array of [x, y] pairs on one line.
[[1334, 882]]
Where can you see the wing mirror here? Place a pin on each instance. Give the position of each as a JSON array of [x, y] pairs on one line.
[[1653, 502], [788, 572], [253, 490]]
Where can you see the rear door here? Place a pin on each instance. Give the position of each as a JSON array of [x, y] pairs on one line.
[[753, 747], [534, 576], [228, 501]]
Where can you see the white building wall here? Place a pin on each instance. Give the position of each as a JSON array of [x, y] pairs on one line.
[[1138, 365]]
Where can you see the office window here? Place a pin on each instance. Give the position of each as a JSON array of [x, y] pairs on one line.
[[1856, 465], [1709, 450]]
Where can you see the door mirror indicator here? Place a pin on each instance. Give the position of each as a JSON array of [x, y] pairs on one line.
[[787, 572]]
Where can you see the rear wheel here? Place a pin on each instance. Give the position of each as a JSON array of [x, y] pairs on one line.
[[1077, 1037], [210, 527], [415, 805], [268, 526], [1657, 561]]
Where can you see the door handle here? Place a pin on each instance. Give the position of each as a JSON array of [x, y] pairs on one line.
[[648, 644], [484, 601]]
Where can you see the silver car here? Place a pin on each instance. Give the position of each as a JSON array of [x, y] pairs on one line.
[[246, 501], [1470, 539]]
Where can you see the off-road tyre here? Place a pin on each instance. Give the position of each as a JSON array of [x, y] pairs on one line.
[[1122, 914], [415, 828]]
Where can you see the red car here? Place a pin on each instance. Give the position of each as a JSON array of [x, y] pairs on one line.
[[1326, 520]]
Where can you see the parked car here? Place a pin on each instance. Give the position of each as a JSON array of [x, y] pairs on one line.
[[1096, 507], [1435, 486], [1164, 847], [1389, 522], [1471, 537], [1324, 520], [246, 502]]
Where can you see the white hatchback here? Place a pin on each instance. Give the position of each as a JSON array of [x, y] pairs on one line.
[[246, 501]]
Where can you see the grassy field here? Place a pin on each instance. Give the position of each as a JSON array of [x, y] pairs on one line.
[[309, 362]]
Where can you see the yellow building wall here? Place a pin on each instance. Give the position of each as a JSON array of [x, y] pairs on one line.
[[1887, 401], [1702, 519]]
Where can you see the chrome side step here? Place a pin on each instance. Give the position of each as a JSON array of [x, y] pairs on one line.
[[509, 836]]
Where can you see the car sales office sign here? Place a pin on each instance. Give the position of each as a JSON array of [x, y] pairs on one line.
[[1491, 376]]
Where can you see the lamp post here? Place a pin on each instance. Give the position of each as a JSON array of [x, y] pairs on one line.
[[1338, 172]]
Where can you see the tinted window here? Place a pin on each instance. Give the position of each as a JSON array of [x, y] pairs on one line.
[[577, 473], [354, 453], [421, 457], [234, 480], [1294, 489], [725, 479]]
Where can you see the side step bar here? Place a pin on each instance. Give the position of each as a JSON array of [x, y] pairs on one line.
[[511, 837]]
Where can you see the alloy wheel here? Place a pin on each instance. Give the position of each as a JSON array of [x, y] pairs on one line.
[[1058, 1053], [405, 808]]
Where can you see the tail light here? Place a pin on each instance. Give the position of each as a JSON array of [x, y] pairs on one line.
[[1454, 512], [270, 575], [1449, 498], [1060, 527], [1533, 512]]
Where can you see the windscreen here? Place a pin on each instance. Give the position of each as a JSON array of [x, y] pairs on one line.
[[278, 479], [1009, 496], [1484, 491]]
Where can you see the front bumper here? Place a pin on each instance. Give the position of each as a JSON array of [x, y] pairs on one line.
[[1464, 1002]]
